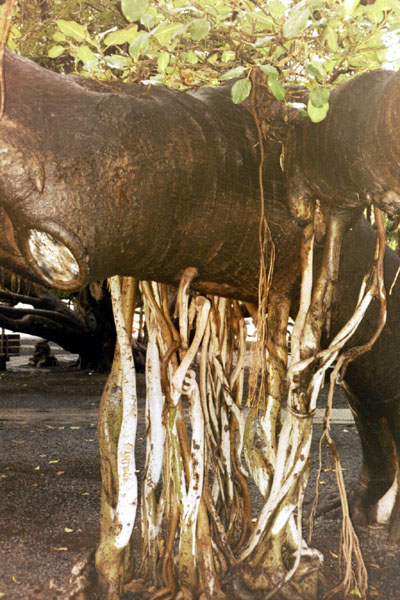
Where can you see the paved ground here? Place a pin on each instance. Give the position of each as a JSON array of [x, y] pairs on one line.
[[50, 482]]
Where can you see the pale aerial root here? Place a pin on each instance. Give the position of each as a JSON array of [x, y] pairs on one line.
[[353, 577], [195, 548], [183, 464], [82, 584], [290, 571], [354, 573], [152, 510], [263, 563], [113, 560], [263, 422]]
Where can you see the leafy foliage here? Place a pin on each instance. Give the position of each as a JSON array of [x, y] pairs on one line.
[[180, 43], [185, 44]]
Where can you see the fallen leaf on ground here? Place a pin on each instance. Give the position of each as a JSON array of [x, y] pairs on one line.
[[68, 530], [60, 472]]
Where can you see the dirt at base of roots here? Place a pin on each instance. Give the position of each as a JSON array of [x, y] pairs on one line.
[[50, 485]]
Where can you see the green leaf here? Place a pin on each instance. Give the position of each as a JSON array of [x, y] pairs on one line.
[[276, 88], [227, 55], [319, 96], [139, 45], [330, 37], [72, 30], [276, 8], [167, 31], [349, 6], [264, 41], [122, 36], [262, 21], [315, 113], [270, 71], [163, 62], [118, 62], [317, 70], [55, 51], [15, 32], [134, 9], [148, 21], [58, 37], [297, 21], [240, 90], [236, 72], [85, 54], [199, 29], [374, 13], [191, 58]]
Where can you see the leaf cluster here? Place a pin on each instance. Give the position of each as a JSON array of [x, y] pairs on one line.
[[189, 43]]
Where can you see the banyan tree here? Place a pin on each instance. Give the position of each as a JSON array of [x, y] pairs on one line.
[[241, 207]]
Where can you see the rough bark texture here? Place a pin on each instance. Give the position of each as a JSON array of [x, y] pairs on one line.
[[352, 157], [373, 378], [136, 181]]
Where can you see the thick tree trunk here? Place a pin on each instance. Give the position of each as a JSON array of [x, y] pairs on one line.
[[372, 379], [352, 158]]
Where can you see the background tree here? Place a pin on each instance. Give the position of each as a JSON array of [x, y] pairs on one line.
[[83, 326]]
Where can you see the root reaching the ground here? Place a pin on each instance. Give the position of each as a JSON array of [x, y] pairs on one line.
[[199, 539]]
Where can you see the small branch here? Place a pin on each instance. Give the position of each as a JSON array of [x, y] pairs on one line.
[[17, 314]]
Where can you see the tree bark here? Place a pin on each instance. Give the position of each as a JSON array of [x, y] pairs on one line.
[[137, 180]]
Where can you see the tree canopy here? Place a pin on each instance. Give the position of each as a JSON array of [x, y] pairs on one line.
[[184, 44]]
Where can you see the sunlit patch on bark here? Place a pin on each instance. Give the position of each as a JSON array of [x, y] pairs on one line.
[[52, 257]]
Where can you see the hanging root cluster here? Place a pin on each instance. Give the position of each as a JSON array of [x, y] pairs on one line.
[[205, 450]]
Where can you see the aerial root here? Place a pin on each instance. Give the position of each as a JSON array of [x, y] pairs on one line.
[[82, 584], [262, 583]]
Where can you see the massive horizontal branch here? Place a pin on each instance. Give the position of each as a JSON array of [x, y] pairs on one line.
[[120, 178], [352, 158], [134, 180]]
